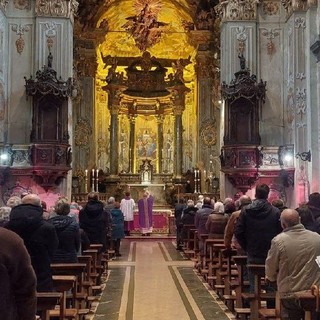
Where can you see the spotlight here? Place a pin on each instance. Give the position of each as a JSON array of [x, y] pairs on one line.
[[4, 156]]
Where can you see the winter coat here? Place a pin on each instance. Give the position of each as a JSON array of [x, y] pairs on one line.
[[216, 224], [69, 239], [256, 226], [17, 278], [188, 216], [201, 219], [291, 260], [93, 220], [39, 237], [117, 224]]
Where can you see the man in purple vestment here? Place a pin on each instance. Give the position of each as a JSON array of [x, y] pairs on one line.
[[145, 214]]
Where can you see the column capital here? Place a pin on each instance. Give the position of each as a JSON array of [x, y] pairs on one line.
[[237, 10], [132, 118], [206, 66], [56, 8], [178, 110], [160, 118], [297, 5]]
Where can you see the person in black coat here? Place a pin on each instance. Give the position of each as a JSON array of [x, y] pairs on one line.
[[94, 220], [187, 217], [39, 236], [179, 207], [257, 225], [68, 234]]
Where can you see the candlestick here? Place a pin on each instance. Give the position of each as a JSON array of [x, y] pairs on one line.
[[97, 180]]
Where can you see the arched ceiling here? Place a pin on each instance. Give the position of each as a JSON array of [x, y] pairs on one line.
[[174, 42], [174, 20]]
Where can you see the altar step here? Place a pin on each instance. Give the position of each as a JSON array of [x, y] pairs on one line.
[[152, 237]]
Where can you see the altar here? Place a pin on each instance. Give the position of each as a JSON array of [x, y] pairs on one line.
[[163, 221]]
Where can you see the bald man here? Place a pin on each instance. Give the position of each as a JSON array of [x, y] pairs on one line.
[[39, 236], [291, 262]]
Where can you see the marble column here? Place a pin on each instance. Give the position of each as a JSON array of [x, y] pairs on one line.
[[132, 146], [178, 131], [160, 119], [114, 141]]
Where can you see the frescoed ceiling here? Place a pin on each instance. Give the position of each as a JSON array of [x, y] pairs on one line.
[[163, 27]]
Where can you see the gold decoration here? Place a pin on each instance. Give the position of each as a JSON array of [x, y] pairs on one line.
[[144, 27], [82, 132], [208, 133]]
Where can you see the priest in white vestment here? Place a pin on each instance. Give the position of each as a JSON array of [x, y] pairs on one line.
[[127, 206]]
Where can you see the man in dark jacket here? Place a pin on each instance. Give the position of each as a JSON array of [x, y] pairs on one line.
[[68, 234], [178, 209], [18, 281], [38, 235], [94, 219], [257, 225], [201, 219]]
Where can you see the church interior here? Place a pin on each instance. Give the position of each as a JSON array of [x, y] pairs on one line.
[[178, 97], [200, 97]]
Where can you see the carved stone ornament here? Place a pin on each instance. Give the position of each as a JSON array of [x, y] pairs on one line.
[[50, 33], [46, 82], [208, 133], [21, 4], [82, 132], [3, 4], [20, 30], [56, 8], [297, 5], [270, 8], [237, 9]]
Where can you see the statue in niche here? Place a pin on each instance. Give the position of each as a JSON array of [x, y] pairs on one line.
[[242, 61], [146, 171]]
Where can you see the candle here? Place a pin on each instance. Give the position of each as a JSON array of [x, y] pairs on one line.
[[97, 171], [86, 173], [92, 173]]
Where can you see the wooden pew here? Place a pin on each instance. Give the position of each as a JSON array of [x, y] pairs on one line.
[[63, 284], [240, 287], [255, 298], [309, 301], [79, 270], [47, 301]]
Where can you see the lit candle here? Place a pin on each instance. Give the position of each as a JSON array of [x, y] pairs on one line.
[[86, 173], [205, 174], [92, 173], [97, 171]]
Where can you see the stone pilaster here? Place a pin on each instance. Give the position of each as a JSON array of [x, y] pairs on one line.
[[160, 143], [132, 146], [114, 140], [178, 131]]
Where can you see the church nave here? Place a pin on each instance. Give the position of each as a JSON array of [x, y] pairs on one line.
[[154, 281]]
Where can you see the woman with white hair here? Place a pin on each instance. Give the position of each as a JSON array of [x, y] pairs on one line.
[[4, 215]]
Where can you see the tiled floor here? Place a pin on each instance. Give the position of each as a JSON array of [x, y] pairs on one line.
[[154, 281]]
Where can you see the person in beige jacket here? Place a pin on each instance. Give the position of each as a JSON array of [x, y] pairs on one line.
[[291, 262]]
